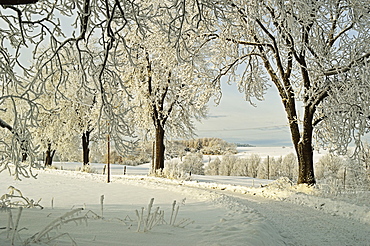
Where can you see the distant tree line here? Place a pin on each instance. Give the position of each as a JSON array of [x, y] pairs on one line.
[[209, 146]]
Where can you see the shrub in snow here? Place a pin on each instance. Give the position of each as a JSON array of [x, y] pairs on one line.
[[354, 174], [262, 171], [172, 169], [328, 166], [213, 167], [87, 169], [336, 174], [227, 165], [151, 217], [191, 164], [289, 167], [274, 166]]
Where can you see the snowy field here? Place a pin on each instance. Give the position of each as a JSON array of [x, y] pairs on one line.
[[212, 211]]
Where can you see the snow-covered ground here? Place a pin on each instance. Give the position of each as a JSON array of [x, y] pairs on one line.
[[213, 211]]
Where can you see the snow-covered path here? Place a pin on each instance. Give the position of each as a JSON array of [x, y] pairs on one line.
[[301, 225], [221, 217]]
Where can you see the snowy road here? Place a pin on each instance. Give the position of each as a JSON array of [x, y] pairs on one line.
[[221, 217], [299, 225]]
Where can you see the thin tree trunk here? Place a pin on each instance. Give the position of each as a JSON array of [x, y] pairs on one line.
[[159, 149], [49, 156], [85, 147]]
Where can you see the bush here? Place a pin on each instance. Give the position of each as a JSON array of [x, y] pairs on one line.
[[289, 167], [191, 164], [227, 165], [213, 167], [172, 169], [328, 166]]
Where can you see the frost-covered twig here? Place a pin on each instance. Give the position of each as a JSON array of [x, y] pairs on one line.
[[7, 202], [153, 218], [58, 222]]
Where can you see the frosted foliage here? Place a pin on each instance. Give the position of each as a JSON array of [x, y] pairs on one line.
[[228, 165], [328, 166], [347, 111], [338, 173], [253, 162], [213, 167], [67, 113], [313, 51], [46, 45], [289, 167], [165, 92], [192, 164], [16, 141]]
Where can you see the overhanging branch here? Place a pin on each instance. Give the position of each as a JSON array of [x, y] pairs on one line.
[[3, 124], [344, 69], [17, 2]]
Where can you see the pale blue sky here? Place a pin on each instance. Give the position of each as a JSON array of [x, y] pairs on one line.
[[235, 120]]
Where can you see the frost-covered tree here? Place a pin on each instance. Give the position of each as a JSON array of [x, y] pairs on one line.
[[166, 93], [34, 37], [316, 52]]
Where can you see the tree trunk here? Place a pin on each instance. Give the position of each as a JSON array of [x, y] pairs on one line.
[[49, 156], [305, 164], [303, 147], [24, 157], [85, 147], [305, 150], [159, 149]]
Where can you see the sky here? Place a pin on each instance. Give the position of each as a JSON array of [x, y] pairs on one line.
[[236, 120]]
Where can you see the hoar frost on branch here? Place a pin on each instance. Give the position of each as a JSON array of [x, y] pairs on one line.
[[167, 92], [44, 32], [311, 51]]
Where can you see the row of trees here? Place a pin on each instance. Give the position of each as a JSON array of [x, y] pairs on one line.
[[254, 166], [147, 68], [333, 172]]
